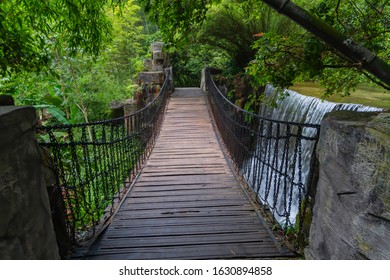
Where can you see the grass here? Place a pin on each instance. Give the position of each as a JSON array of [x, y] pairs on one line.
[[364, 94]]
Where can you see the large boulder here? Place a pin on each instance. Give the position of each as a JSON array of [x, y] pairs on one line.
[[351, 215], [26, 229]]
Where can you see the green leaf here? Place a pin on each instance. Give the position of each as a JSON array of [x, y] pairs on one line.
[[55, 112]]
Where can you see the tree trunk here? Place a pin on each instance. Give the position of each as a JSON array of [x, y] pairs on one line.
[[352, 51]]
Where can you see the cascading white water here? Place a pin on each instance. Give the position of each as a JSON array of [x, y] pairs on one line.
[[294, 108]]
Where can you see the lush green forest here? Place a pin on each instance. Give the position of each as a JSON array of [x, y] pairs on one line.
[[73, 57]]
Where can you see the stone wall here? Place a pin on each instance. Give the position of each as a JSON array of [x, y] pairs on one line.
[[26, 230], [351, 215]]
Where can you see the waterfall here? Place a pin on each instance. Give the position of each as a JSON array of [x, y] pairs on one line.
[[295, 107], [283, 190]]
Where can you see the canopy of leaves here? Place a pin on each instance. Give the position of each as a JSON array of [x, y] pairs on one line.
[[177, 20], [29, 27], [82, 84], [233, 27], [284, 60], [282, 56]]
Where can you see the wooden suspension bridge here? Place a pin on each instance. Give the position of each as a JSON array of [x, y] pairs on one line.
[[187, 202]]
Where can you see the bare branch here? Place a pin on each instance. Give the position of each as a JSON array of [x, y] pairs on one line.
[[372, 6], [337, 14]]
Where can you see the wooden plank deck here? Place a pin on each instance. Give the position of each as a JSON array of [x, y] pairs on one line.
[[187, 203]]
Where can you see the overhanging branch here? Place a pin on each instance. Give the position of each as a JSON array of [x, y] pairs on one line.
[[346, 46]]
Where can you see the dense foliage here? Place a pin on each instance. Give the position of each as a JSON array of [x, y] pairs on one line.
[[29, 28], [284, 60], [234, 26], [71, 58], [68, 72], [245, 31], [178, 20]]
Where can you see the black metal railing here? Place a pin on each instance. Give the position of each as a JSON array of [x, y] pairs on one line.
[[276, 158], [95, 164]]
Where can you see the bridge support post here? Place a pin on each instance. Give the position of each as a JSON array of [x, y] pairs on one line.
[[26, 229]]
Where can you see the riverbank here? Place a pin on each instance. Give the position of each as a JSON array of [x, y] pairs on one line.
[[366, 95]]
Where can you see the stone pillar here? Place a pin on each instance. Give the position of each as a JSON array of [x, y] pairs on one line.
[[116, 108], [158, 56], [129, 107], [153, 77], [26, 229], [351, 215]]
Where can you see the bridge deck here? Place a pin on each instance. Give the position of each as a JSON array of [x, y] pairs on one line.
[[186, 204]]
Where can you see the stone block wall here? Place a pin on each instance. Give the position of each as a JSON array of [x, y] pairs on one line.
[[26, 230], [351, 215], [156, 77]]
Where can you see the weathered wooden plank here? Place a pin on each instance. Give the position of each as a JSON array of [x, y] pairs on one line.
[[181, 183], [184, 198], [158, 172], [169, 221], [187, 157], [223, 238], [186, 161], [169, 190], [225, 213], [188, 180], [186, 204], [159, 186], [195, 193], [216, 251], [183, 230], [185, 180], [185, 192], [175, 166], [179, 151], [132, 215], [169, 171], [200, 179]]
